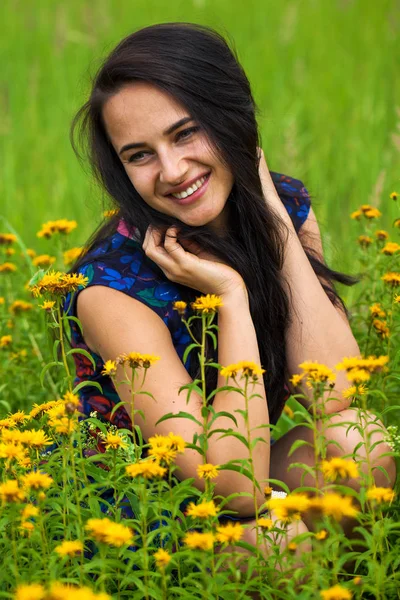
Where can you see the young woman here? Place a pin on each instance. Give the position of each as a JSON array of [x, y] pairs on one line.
[[172, 137]]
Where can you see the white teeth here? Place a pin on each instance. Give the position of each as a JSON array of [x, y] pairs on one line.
[[193, 188]]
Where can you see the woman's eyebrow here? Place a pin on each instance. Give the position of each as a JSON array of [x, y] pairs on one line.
[[168, 131]]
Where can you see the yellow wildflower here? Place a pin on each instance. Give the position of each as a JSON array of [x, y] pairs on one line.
[[7, 267], [7, 238], [180, 306], [288, 411], [381, 328], [396, 223], [5, 341], [43, 260], [380, 494], [207, 471], [268, 491], [392, 279], [31, 253], [71, 399], [250, 368], [394, 196], [365, 208], [36, 480], [321, 535], [229, 533], [373, 213], [292, 546], [110, 213], [296, 379], [162, 558], [397, 299], [108, 532], [337, 592], [177, 442], [71, 255], [364, 241], [19, 417], [48, 305], [20, 306], [371, 364], [2, 300], [202, 510], [390, 248], [146, 468], [114, 441], [381, 234], [60, 226], [208, 304], [6, 423], [376, 310], [63, 425], [27, 526], [230, 371], [354, 390], [265, 523], [356, 215], [200, 541], [333, 505], [69, 548], [339, 468], [29, 511], [39, 409], [12, 452], [11, 492], [10, 252], [289, 508], [59, 284], [316, 372], [30, 591], [136, 359], [110, 368]]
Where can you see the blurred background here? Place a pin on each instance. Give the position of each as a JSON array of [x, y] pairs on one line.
[[325, 75]]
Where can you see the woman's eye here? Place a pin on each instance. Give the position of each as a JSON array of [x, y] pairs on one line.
[[136, 157], [187, 132]]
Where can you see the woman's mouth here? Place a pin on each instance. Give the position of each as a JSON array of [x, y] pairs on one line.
[[193, 192]]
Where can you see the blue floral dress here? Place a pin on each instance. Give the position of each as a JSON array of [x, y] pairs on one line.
[[119, 262]]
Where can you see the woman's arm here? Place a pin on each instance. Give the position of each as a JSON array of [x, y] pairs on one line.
[[318, 330]]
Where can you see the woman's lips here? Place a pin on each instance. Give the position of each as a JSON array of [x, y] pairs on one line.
[[193, 197]]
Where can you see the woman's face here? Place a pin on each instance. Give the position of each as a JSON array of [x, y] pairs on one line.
[[166, 155]]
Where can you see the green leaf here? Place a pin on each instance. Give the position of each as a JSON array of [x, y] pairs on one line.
[[54, 363], [75, 320], [213, 337], [55, 346], [188, 350], [298, 444], [115, 408], [85, 353], [222, 414], [83, 384], [180, 415]]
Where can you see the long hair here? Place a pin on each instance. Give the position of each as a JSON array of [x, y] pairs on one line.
[[195, 65]]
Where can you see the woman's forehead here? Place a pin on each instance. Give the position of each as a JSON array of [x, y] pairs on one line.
[[141, 110]]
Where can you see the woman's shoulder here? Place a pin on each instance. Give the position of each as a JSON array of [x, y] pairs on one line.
[[294, 196]]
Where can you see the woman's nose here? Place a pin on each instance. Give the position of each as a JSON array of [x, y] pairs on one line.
[[173, 169]]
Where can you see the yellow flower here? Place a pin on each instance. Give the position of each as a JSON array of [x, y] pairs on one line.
[[110, 368], [371, 364], [230, 371], [180, 306], [359, 390], [390, 248], [177, 442], [364, 241], [289, 508], [60, 591], [31, 253], [162, 558], [166, 447], [358, 375], [208, 304], [292, 546], [7, 267], [394, 196], [268, 491], [35, 438], [2, 300], [229, 533], [200, 541], [376, 310], [147, 469], [6, 423], [337, 592], [7, 238], [10, 252], [19, 417], [396, 223], [11, 492], [381, 234], [71, 255], [12, 452], [69, 548], [30, 591], [250, 368], [114, 441], [321, 535], [316, 372], [5, 341], [71, 401], [356, 215], [207, 471], [59, 284], [48, 305], [392, 279], [380, 494], [333, 505], [296, 379], [108, 532], [29, 511], [43, 260], [20, 306], [37, 481], [397, 299], [339, 468], [27, 526], [136, 359], [110, 213], [60, 226], [39, 409], [365, 208], [381, 328], [288, 411], [163, 453], [265, 523], [372, 213], [202, 510], [63, 425]]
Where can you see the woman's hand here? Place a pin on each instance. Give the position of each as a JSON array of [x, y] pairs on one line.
[[188, 264], [270, 194]]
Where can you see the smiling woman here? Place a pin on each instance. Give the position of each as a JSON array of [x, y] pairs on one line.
[[171, 135]]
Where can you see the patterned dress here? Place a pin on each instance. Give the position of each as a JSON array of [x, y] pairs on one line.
[[119, 262]]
